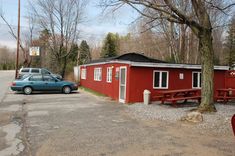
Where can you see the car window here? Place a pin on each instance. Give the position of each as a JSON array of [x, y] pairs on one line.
[[48, 78], [45, 71], [36, 78], [34, 70], [25, 70], [24, 76]]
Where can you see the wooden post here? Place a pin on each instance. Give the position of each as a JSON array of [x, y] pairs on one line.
[[18, 42]]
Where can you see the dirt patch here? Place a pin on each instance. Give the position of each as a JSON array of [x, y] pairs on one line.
[[5, 118], [2, 140], [46, 149]]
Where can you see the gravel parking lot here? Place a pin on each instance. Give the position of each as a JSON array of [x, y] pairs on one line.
[[219, 122], [81, 124]]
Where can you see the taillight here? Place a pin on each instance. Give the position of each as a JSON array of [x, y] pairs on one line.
[[13, 84]]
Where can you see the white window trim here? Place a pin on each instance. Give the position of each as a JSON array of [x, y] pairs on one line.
[[198, 77], [98, 74], [160, 79], [83, 75], [109, 75]]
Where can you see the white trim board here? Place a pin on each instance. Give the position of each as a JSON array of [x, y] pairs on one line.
[[161, 65], [168, 65]]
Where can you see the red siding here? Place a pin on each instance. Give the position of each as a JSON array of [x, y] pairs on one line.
[[109, 89], [230, 79], [141, 78]]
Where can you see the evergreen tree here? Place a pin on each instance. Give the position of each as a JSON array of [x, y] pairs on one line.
[[110, 47], [85, 54], [73, 53], [230, 43]]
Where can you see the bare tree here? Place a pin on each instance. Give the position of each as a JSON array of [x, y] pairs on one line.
[[61, 18], [198, 20], [24, 46]]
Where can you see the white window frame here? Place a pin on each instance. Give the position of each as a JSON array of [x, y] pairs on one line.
[[98, 74], [83, 74], [160, 79], [109, 74], [199, 83]]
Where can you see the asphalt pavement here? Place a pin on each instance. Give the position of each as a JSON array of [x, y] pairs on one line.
[[6, 77]]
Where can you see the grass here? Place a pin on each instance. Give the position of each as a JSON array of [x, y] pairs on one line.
[[92, 91]]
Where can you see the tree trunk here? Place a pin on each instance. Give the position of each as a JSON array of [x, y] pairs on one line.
[[64, 66], [207, 58], [182, 44]]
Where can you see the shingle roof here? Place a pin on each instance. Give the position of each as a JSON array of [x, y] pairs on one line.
[[133, 57]]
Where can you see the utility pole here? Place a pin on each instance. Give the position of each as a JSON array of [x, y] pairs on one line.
[[18, 41]]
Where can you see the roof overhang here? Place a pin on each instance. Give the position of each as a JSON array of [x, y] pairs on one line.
[[169, 65], [158, 65]]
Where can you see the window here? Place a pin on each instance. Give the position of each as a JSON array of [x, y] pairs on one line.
[[97, 74], [35, 78], [109, 74], [48, 78], [25, 70], [83, 74], [160, 79], [44, 71], [34, 70], [197, 78]]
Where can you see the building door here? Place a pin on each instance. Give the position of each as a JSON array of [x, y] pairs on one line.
[[122, 85]]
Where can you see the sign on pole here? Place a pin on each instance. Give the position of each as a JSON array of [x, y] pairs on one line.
[[34, 51]]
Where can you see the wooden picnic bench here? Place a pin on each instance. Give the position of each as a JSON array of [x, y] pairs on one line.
[[178, 95], [224, 94]]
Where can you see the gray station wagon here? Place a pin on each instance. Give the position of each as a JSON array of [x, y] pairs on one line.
[[32, 71]]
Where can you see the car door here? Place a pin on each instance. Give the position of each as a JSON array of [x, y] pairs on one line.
[[36, 82], [50, 83]]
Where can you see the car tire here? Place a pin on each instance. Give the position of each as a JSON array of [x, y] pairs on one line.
[[66, 89], [28, 90]]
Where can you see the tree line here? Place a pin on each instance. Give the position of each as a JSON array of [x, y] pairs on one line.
[[157, 45]]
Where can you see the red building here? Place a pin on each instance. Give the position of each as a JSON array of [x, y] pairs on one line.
[[124, 78]]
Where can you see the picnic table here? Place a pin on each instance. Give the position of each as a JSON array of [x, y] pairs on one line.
[[178, 95], [224, 94]]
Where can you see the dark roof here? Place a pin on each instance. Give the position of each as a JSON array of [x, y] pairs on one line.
[[133, 57]]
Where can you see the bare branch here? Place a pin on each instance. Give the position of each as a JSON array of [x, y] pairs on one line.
[[222, 9], [11, 31]]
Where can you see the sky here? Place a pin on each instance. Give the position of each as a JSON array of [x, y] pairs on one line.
[[95, 27]]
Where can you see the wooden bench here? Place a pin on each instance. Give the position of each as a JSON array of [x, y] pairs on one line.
[[178, 95], [174, 100], [224, 95], [224, 99]]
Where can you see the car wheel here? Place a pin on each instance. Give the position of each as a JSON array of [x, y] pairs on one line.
[[28, 90], [67, 89]]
